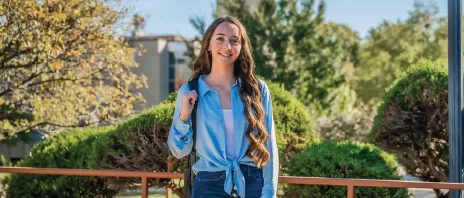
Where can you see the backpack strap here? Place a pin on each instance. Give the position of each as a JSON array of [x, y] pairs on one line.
[[193, 85], [189, 175]]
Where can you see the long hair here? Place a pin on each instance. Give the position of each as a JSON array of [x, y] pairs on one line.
[[244, 68]]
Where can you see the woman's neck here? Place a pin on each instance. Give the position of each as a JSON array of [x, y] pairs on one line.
[[221, 77]]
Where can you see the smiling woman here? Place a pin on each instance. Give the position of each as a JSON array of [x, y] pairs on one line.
[[237, 152]]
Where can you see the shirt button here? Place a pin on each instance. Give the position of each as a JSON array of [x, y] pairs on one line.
[[235, 187], [234, 195]]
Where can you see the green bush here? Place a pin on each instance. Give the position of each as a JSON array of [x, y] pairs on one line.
[[294, 126], [412, 121], [139, 144], [343, 160], [70, 149]]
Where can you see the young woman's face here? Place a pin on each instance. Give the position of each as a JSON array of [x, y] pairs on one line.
[[225, 44]]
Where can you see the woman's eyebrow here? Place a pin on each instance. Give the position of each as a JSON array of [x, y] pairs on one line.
[[222, 34]]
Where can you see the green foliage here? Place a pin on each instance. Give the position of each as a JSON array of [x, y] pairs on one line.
[[393, 46], [412, 120], [4, 161], [15, 117], [65, 63], [70, 149], [294, 126], [343, 160]]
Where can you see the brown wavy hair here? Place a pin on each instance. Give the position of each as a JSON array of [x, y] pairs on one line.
[[244, 68]]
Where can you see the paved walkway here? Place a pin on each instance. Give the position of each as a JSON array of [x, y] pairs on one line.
[[417, 192]]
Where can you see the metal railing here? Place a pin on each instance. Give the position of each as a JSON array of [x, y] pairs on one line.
[[349, 183]]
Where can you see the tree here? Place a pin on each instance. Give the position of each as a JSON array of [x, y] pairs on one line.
[[393, 46], [293, 45], [64, 64]]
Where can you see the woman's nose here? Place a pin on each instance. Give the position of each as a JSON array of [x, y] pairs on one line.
[[228, 45]]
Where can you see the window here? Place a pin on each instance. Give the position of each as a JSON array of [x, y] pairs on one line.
[[172, 58], [172, 86], [172, 73]]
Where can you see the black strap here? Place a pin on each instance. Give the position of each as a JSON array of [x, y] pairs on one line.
[[193, 85], [189, 175]]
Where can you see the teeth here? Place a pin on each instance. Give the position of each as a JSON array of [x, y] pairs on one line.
[[228, 55]]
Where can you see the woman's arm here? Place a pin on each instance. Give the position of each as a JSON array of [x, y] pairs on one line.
[[271, 169], [180, 134]]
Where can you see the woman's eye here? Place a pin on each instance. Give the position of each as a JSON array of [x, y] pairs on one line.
[[220, 39]]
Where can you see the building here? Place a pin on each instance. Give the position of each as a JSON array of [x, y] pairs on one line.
[[162, 59], [18, 147], [165, 64]]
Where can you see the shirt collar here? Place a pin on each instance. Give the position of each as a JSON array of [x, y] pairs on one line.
[[203, 87]]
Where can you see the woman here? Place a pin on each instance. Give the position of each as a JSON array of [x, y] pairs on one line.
[[235, 139]]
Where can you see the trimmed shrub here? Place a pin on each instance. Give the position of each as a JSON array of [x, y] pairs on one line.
[[69, 149], [343, 160], [412, 121], [139, 144]]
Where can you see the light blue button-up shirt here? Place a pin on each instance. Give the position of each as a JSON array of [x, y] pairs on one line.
[[211, 133]]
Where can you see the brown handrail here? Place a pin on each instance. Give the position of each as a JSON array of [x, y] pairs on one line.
[[349, 183], [89, 172], [370, 183]]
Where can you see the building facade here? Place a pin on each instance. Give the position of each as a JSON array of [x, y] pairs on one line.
[[163, 60]]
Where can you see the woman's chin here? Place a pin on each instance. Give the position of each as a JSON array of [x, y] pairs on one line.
[[225, 61]]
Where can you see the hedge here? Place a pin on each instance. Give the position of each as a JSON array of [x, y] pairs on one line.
[[343, 160]]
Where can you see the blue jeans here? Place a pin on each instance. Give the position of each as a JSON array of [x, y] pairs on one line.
[[211, 184]]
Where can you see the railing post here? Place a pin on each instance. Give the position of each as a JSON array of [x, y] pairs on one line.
[[144, 187], [350, 193], [168, 190], [168, 193]]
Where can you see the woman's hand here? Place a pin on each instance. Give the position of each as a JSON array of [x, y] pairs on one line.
[[188, 101]]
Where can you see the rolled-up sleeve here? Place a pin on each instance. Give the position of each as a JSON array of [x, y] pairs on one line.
[[180, 134], [271, 169]]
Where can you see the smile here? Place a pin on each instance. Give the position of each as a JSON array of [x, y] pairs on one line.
[[225, 55]]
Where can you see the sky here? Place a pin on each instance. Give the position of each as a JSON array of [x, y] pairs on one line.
[[171, 17]]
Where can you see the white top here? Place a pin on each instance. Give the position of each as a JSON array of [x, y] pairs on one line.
[[229, 122]]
